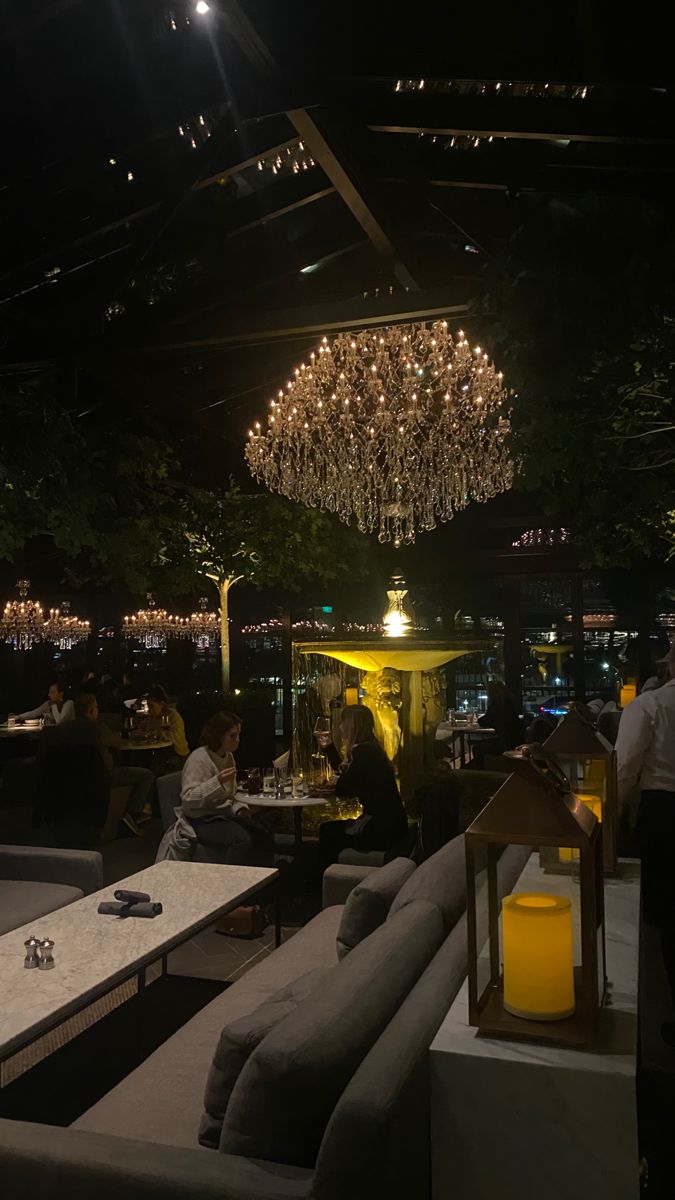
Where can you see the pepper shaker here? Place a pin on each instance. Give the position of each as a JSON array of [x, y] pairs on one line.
[[31, 960], [46, 956]]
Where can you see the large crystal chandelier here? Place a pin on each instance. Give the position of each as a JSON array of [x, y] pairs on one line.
[[150, 625], [62, 629], [398, 428], [22, 623]]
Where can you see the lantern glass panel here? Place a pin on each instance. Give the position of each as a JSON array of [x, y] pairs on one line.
[[529, 811]]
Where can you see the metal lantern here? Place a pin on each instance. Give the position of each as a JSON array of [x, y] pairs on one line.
[[527, 986], [589, 763]]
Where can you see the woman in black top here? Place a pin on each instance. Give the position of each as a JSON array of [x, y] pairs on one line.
[[366, 776], [502, 716]]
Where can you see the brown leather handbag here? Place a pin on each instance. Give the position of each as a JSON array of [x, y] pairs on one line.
[[247, 921]]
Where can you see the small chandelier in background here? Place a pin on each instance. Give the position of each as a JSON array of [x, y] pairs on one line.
[[293, 156], [202, 627], [62, 629], [22, 624], [398, 619], [398, 428], [150, 625]]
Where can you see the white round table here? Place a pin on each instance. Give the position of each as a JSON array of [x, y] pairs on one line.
[[160, 744], [29, 727], [296, 803]]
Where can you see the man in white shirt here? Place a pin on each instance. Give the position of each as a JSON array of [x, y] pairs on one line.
[[55, 709], [645, 751]]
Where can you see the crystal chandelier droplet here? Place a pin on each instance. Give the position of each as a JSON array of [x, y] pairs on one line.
[[396, 428]]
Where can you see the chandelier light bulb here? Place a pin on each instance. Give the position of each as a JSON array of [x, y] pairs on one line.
[[202, 7], [399, 468]]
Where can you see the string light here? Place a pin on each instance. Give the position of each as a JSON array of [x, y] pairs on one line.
[[440, 415], [519, 88], [294, 158], [542, 537]]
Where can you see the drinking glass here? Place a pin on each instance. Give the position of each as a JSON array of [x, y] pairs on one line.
[[298, 784], [253, 781], [268, 781]]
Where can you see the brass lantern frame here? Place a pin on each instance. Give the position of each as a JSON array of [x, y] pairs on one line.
[[575, 740], [534, 807]]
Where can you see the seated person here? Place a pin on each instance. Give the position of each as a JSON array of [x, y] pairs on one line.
[[55, 708], [166, 719], [221, 822], [367, 776], [86, 729], [501, 715]]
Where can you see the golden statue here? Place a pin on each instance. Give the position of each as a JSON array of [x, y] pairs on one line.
[[382, 695]]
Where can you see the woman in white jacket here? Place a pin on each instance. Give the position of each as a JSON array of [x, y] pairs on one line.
[[208, 794]]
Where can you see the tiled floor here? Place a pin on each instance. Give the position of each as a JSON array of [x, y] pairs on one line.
[[211, 955]]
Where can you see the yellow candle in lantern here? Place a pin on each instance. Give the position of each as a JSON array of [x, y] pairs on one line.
[[568, 854], [594, 773], [538, 956]]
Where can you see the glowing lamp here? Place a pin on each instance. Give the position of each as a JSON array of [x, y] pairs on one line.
[[538, 956], [628, 692], [588, 761], [398, 619], [525, 984], [351, 695]]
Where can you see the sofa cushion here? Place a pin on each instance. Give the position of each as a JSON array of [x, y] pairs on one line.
[[441, 880], [288, 1089], [368, 905], [22, 901], [161, 1101], [236, 1044]]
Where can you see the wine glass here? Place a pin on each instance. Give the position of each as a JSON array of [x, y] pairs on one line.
[[322, 731]]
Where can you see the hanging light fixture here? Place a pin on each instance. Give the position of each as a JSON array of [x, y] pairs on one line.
[[150, 625], [22, 624], [398, 428], [202, 627], [62, 629]]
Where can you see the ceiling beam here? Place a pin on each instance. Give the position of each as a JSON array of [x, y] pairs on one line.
[[441, 130], [259, 55], [331, 166], [364, 313], [122, 223]]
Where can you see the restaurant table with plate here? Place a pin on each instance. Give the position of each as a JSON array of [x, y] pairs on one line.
[[295, 803]]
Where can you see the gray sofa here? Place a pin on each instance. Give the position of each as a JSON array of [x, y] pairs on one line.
[[36, 880], [140, 1140]]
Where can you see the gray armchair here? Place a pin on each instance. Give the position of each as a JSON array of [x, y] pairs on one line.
[[36, 880]]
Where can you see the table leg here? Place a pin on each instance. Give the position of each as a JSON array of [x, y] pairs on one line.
[[297, 829], [277, 913], [141, 980], [462, 750]]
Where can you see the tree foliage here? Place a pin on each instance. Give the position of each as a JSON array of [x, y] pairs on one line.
[[586, 303], [262, 539], [92, 483]]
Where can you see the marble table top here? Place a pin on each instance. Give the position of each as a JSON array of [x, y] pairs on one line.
[[93, 953]]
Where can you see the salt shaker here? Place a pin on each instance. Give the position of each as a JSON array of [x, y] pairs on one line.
[[46, 957], [31, 960]]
